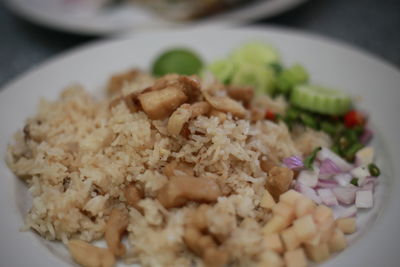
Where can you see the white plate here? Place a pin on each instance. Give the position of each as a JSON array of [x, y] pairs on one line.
[[329, 63], [73, 16]]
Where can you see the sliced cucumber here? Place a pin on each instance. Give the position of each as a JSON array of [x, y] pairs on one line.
[[291, 77], [223, 70], [180, 61], [320, 99], [255, 53], [260, 77]]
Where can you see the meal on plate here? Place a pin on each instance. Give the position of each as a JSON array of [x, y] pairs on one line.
[[242, 162], [175, 9]]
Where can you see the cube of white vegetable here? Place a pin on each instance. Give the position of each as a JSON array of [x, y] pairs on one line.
[[285, 210], [276, 224], [346, 225], [365, 156], [273, 242], [338, 241], [267, 200], [290, 197], [361, 172], [290, 239], [305, 228], [295, 258], [304, 206], [364, 199], [323, 214], [318, 253], [271, 258]]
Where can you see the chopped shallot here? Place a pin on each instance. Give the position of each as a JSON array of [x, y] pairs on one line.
[[326, 153], [308, 192], [308, 177], [293, 162], [364, 199], [343, 179], [328, 168], [327, 197], [345, 194], [327, 183], [349, 212]]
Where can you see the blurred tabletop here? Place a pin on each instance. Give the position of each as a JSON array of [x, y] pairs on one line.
[[369, 24]]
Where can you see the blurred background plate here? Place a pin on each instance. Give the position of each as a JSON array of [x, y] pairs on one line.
[[89, 17]]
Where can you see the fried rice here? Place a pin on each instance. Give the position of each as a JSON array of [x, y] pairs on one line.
[[80, 156]]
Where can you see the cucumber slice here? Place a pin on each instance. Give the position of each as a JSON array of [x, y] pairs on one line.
[[180, 61], [291, 77], [223, 70], [260, 77], [320, 99], [255, 53]]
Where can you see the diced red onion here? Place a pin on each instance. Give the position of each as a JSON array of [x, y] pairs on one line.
[[343, 179], [361, 173], [364, 199], [308, 177], [308, 192], [366, 136], [349, 212], [326, 153], [327, 197], [346, 194], [293, 162], [328, 168], [327, 183], [369, 184]]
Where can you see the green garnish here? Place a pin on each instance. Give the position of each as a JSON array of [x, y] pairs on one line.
[[180, 61], [291, 77], [320, 99], [277, 67], [350, 152], [223, 70], [328, 127], [308, 120], [354, 181], [308, 161], [260, 78], [374, 170]]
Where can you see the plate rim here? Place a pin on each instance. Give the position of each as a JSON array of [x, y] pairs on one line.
[[221, 19]]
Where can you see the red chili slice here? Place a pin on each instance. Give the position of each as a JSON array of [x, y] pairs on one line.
[[353, 118], [269, 115]]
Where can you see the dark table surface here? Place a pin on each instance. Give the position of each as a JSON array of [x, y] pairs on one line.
[[369, 24]]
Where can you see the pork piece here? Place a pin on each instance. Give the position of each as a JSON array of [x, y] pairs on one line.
[[243, 94], [200, 108], [190, 85], [160, 104], [115, 227], [279, 181], [219, 114], [225, 104], [267, 163], [178, 119], [200, 242], [130, 101], [118, 80], [183, 188], [133, 195], [88, 255], [175, 168]]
